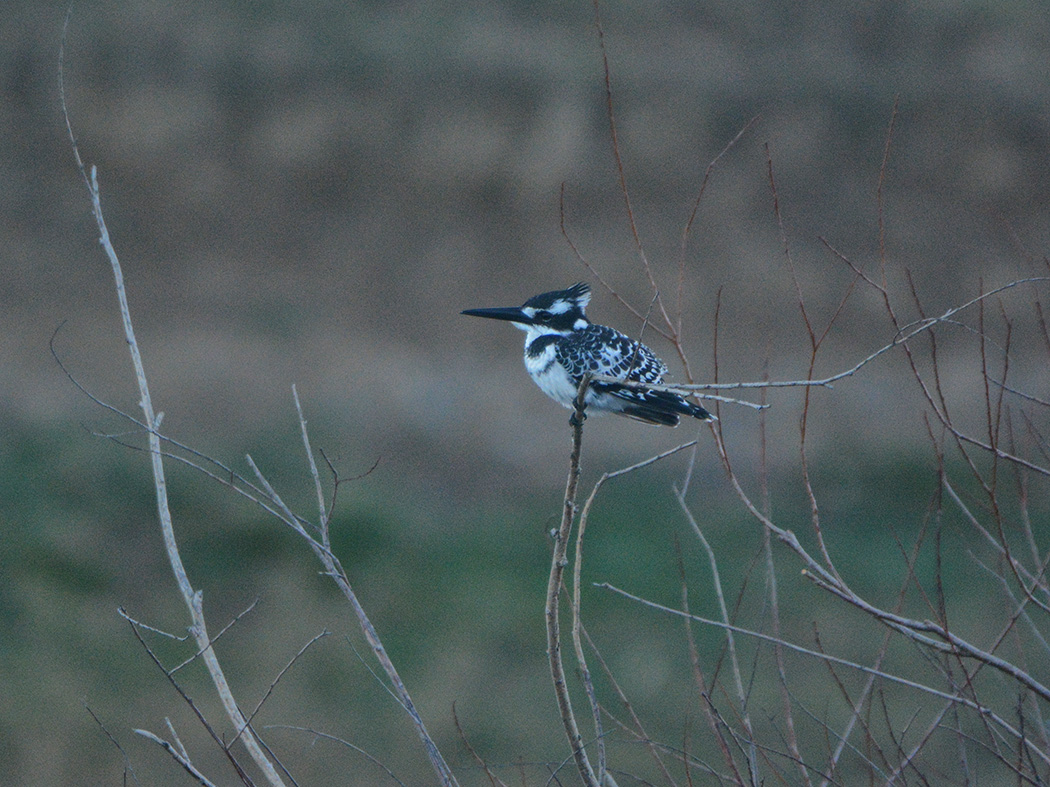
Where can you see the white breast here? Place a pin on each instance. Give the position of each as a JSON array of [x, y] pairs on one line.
[[551, 376]]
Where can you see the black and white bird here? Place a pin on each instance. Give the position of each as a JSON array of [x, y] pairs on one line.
[[562, 345]]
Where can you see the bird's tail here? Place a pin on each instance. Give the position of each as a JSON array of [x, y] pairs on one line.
[[657, 407]]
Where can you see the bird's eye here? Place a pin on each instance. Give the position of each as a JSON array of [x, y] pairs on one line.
[[542, 314]]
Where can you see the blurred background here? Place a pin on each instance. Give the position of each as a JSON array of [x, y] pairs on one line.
[[310, 193]]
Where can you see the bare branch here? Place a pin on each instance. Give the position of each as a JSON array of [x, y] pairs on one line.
[[614, 136], [316, 476], [276, 680], [128, 768], [879, 196], [581, 657], [151, 422], [734, 662], [493, 779], [554, 586], [984, 711], [325, 736], [906, 333], [178, 756]]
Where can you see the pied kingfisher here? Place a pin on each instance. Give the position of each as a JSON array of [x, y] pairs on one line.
[[562, 345]]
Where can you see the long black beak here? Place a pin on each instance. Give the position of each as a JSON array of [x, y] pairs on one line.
[[510, 314]]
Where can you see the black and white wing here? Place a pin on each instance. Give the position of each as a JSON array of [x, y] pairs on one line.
[[601, 350]]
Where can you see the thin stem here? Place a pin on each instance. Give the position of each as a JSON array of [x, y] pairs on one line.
[[554, 586], [983, 710], [194, 599]]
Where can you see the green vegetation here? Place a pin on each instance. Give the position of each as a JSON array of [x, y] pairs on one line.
[[456, 590]]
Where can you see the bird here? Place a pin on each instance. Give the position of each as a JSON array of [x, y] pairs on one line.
[[562, 345]]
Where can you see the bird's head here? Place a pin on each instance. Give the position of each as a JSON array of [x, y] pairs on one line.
[[558, 311]]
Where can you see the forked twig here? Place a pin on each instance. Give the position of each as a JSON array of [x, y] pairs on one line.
[[333, 568], [170, 675]]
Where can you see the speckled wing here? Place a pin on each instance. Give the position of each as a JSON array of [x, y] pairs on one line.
[[601, 350]]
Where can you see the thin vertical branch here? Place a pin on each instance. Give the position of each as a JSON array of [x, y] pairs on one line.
[[314, 474], [879, 196], [577, 623], [774, 599], [734, 661], [554, 586], [814, 344], [714, 720], [688, 228], [194, 599], [614, 136]]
